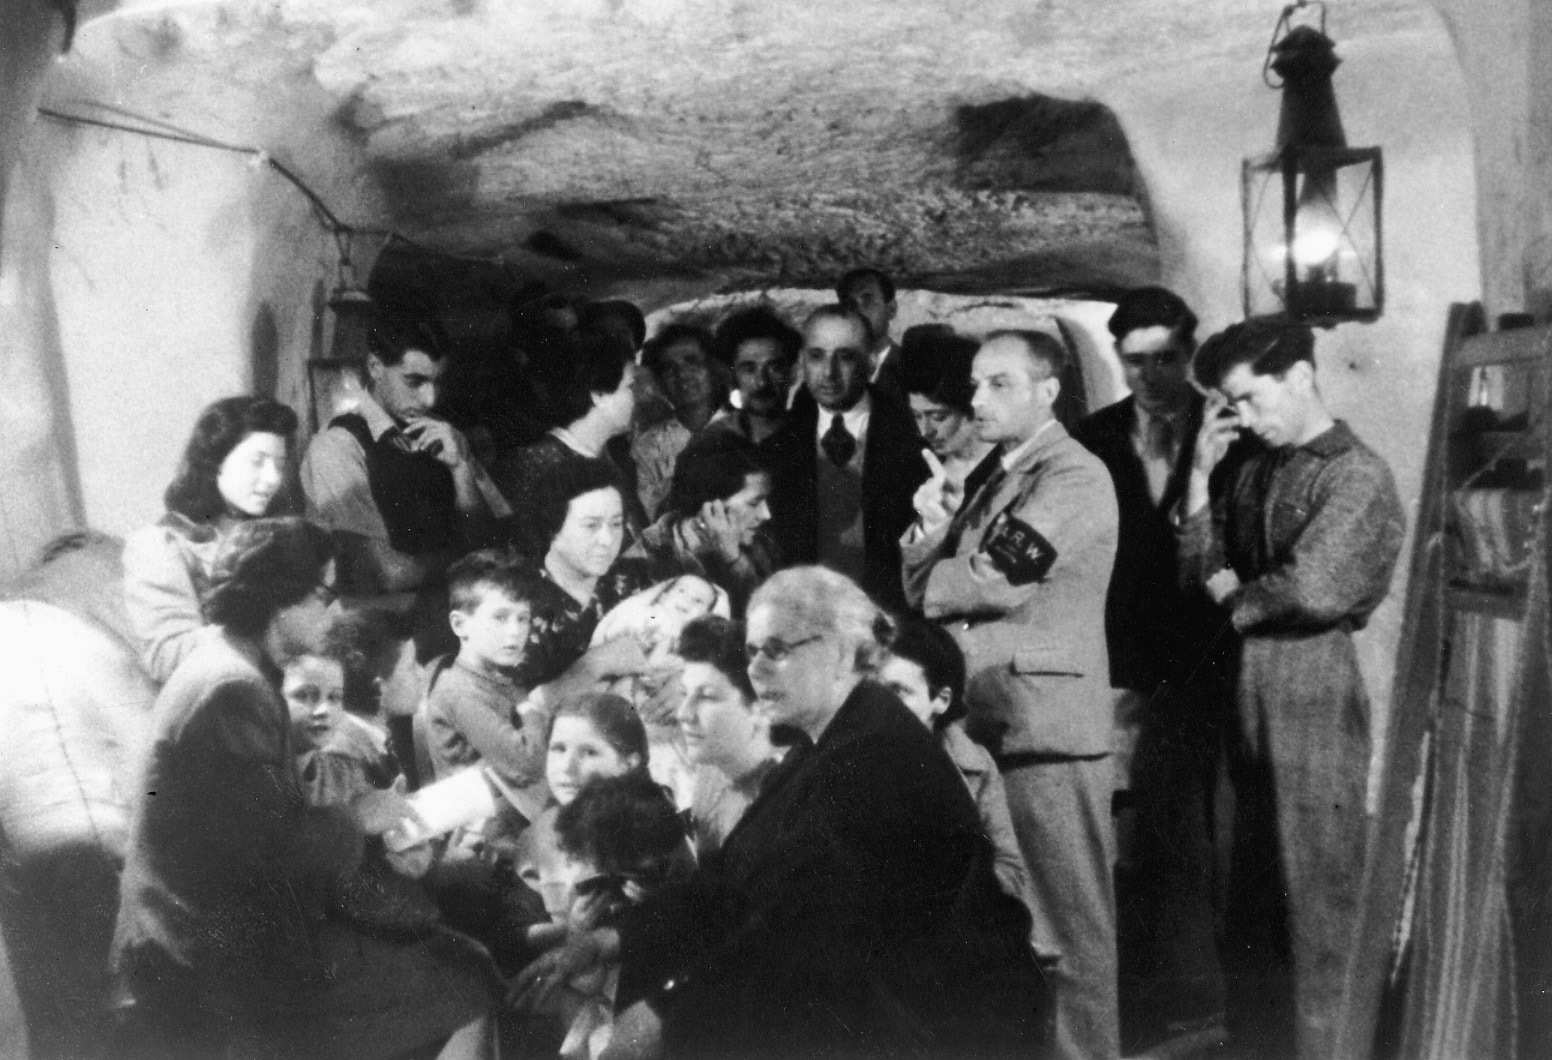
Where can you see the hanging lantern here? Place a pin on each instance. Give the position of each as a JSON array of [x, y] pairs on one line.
[[1313, 253], [334, 380]]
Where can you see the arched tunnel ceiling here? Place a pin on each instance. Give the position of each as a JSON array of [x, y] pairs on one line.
[[956, 144]]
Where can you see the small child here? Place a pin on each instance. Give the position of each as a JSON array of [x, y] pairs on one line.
[[475, 711], [340, 755], [926, 669], [594, 735], [625, 840], [610, 837]]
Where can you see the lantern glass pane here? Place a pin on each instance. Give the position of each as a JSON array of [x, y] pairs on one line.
[[1335, 235], [1266, 247], [1312, 235]]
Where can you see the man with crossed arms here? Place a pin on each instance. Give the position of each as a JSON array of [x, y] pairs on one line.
[[1018, 572]]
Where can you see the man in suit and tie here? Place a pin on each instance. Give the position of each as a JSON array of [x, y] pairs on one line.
[[1170, 662], [845, 461], [1017, 571]]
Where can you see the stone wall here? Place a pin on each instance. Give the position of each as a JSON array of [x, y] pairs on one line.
[[162, 275]]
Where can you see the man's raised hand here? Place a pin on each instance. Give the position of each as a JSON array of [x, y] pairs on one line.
[[938, 498]]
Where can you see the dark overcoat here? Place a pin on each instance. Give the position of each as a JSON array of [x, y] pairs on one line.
[[892, 468], [853, 911]]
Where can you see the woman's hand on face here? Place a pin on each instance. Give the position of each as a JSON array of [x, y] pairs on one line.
[[723, 528]]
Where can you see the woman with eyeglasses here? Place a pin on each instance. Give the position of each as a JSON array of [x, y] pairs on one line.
[[234, 468], [228, 942], [853, 911]]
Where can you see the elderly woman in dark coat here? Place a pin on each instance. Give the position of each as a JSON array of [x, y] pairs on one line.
[[224, 945], [853, 911]]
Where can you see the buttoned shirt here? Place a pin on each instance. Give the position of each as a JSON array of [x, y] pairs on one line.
[[334, 476], [1157, 464]]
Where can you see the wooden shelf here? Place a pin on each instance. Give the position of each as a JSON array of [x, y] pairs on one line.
[[1511, 445], [1500, 603]]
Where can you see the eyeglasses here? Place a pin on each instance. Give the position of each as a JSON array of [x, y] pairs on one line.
[[776, 650]]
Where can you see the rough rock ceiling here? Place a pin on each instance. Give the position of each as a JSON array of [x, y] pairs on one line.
[[756, 142]]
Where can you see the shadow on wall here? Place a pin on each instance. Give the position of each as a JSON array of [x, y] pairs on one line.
[[264, 339]]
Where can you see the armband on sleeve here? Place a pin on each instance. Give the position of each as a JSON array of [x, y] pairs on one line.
[[1018, 551]]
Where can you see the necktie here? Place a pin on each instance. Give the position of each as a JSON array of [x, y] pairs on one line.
[[837, 443]]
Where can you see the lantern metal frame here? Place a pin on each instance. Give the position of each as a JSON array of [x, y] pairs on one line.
[[1312, 178]]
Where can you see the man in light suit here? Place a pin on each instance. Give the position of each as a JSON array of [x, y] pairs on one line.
[[1018, 572]]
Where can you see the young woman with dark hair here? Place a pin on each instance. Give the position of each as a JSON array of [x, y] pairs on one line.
[[726, 738], [234, 468], [714, 522], [224, 945]]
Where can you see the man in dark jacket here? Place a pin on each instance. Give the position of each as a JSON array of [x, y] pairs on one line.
[[1297, 541], [1167, 656], [845, 462]]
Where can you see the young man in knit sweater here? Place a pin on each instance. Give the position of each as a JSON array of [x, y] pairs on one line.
[[1295, 538]]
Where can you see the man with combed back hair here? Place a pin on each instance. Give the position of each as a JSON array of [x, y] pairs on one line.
[[1170, 666], [1017, 572], [1296, 540]]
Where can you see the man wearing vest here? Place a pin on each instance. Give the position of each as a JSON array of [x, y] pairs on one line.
[[398, 482], [1017, 572], [844, 462]]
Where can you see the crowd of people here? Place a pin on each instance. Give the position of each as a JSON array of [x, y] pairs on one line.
[[749, 691]]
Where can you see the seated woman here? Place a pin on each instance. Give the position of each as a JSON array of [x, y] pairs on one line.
[[715, 519], [233, 469], [936, 364], [223, 946], [578, 514], [679, 358], [854, 910], [726, 738]]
